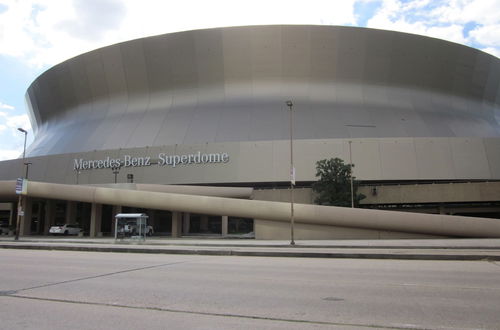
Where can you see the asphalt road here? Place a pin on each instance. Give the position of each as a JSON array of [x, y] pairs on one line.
[[87, 290]]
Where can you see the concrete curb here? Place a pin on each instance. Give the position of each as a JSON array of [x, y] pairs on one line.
[[261, 253], [444, 244]]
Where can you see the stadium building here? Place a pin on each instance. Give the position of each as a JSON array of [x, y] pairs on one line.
[[193, 129]]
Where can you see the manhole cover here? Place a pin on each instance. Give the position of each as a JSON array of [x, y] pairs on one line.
[[333, 299]]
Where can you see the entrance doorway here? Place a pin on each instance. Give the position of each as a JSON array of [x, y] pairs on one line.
[[204, 224]]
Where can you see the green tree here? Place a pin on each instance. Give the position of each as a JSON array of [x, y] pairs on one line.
[[334, 184]]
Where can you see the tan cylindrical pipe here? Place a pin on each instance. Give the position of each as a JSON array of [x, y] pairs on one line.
[[278, 211], [232, 192], [8, 190], [62, 191]]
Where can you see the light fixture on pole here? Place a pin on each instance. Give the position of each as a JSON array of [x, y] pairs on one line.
[[20, 211], [78, 172], [292, 172], [25, 136], [116, 171]]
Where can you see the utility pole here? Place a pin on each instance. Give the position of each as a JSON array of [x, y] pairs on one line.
[[20, 211], [292, 173], [351, 167]]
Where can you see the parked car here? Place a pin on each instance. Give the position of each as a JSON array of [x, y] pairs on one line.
[[65, 230]]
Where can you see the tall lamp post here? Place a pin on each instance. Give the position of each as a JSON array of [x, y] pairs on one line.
[[350, 163], [20, 202], [27, 164], [292, 172]]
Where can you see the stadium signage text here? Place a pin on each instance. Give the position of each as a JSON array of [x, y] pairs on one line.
[[162, 160]]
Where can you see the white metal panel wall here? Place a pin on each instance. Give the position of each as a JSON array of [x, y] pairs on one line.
[[384, 159]]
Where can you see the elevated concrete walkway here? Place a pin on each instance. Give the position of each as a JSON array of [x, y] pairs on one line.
[[359, 219]]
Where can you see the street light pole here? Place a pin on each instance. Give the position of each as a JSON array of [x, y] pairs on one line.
[[27, 164], [20, 202], [292, 173], [352, 185]]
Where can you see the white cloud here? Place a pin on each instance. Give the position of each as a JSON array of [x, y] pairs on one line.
[[45, 32], [6, 106], [487, 35], [484, 12], [6, 154], [492, 51], [14, 23], [158, 17], [472, 22], [10, 137], [21, 121], [452, 32], [15, 121]]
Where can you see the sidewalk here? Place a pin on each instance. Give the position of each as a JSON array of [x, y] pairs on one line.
[[433, 249]]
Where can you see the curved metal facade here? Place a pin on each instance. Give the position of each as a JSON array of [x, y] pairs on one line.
[[413, 107], [230, 84]]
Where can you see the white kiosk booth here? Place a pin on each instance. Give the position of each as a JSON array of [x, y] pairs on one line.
[[131, 225]]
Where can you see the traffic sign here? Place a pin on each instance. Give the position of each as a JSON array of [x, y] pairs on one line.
[[21, 186]]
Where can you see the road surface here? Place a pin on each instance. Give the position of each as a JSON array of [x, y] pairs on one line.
[[88, 290]]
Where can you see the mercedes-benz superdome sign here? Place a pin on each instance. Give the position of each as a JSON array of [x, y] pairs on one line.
[[162, 160]]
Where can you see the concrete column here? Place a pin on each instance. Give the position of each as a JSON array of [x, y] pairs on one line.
[[50, 212], [95, 219], [176, 224], [152, 217], [12, 216], [17, 224], [38, 216], [116, 210], [224, 225], [25, 228], [186, 220], [204, 223], [70, 212]]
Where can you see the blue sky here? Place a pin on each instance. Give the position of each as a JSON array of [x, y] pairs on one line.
[[37, 34]]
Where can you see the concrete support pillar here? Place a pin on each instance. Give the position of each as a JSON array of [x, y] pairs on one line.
[[116, 210], [70, 212], [25, 228], [16, 216], [186, 220], [12, 216], [204, 223], [50, 213], [38, 216], [225, 219], [176, 224], [95, 219], [152, 217]]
